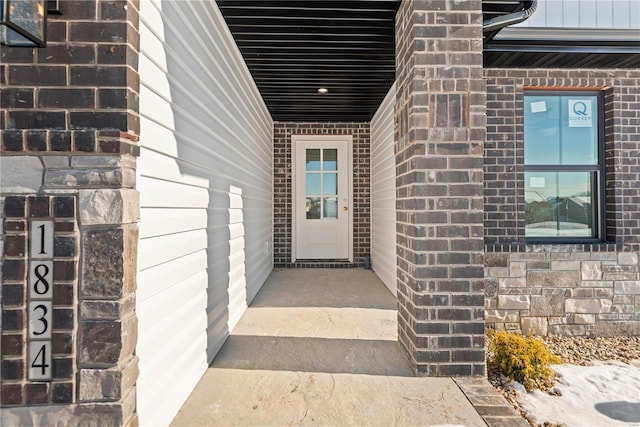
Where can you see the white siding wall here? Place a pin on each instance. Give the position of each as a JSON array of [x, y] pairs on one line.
[[619, 14], [383, 192], [205, 182]]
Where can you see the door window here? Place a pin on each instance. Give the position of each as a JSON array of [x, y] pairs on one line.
[[321, 183]]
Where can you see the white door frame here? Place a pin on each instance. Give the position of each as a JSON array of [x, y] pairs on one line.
[[303, 138]]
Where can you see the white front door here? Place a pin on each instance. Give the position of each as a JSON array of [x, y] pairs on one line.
[[322, 197]]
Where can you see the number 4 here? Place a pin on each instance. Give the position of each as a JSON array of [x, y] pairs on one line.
[[40, 360]]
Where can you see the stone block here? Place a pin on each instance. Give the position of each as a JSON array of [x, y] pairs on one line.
[[572, 330], [565, 265], [20, 174], [580, 256], [103, 261], [51, 162], [100, 343], [511, 282], [584, 319], [99, 385], [75, 178], [547, 305], [623, 308], [529, 256], [100, 310], [612, 329], [623, 299], [109, 259], [517, 269], [591, 270], [99, 207], [534, 326], [627, 258], [498, 272], [582, 293], [493, 259], [604, 256], [514, 302], [603, 292], [591, 305], [565, 279], [620, 272], [557, 320], [102, 162], [627, 287], [501, 316], [490, 287], [129, 336]]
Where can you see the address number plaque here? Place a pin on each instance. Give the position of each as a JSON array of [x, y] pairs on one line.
[[40, 299]]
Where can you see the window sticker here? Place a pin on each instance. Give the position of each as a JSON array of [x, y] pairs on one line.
[[537, 182], [580, 115], [538, 107]]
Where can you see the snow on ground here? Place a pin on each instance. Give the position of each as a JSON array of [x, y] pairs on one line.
[[605, 394]]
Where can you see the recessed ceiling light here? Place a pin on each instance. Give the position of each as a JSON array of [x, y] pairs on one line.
[[323, 90]]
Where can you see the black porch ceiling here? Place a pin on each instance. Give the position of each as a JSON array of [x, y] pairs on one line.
[[295, 47]]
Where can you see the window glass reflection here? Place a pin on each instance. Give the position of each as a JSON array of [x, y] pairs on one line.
[[560, 204], [313, 207], [313, 159], [330, 160], [313, 183], [330, 183], [330, 207], [561, 130]]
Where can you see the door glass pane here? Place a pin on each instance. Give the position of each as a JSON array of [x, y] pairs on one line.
[[330, 160], [560, 204], [313, 207], [313, 183], [330, 207], [330, 183], [313, 159]]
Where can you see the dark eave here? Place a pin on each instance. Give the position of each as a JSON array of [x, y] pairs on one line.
[[294, 47], [561, 54]]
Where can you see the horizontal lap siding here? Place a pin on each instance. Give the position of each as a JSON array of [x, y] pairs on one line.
[[585, 14], [383, 193], [205, 182]]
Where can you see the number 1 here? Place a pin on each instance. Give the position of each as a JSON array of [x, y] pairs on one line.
[[42, 251]]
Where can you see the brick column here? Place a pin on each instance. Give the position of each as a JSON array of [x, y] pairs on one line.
[[69, 144], [440, 129]]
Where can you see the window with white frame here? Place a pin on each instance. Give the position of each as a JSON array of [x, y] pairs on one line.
[[564, 160]]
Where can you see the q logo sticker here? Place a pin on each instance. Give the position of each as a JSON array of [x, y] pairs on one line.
[[580, 113]]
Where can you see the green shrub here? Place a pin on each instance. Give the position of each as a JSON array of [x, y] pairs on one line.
[[525, 360]]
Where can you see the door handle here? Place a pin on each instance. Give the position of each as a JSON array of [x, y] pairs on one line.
[[345, 208]]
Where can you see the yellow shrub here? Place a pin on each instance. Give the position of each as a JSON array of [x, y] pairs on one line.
[[525, 360]]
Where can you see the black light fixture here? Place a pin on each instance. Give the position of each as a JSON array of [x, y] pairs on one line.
[[23, 23]]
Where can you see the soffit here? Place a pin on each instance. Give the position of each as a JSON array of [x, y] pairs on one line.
[[294, 47]]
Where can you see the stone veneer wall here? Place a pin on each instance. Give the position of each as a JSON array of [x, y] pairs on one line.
[[69, 141], [583, 289], [282, 197]]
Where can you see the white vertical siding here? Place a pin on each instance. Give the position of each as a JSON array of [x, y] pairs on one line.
[[205, 182], [383, 192], [617, 14]]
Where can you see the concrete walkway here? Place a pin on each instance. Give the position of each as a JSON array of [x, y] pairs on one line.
[[319, 346]]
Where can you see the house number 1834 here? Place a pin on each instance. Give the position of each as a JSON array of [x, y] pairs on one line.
[[40, 299]]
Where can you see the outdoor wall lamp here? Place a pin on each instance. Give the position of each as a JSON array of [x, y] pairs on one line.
[[23, 23]]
